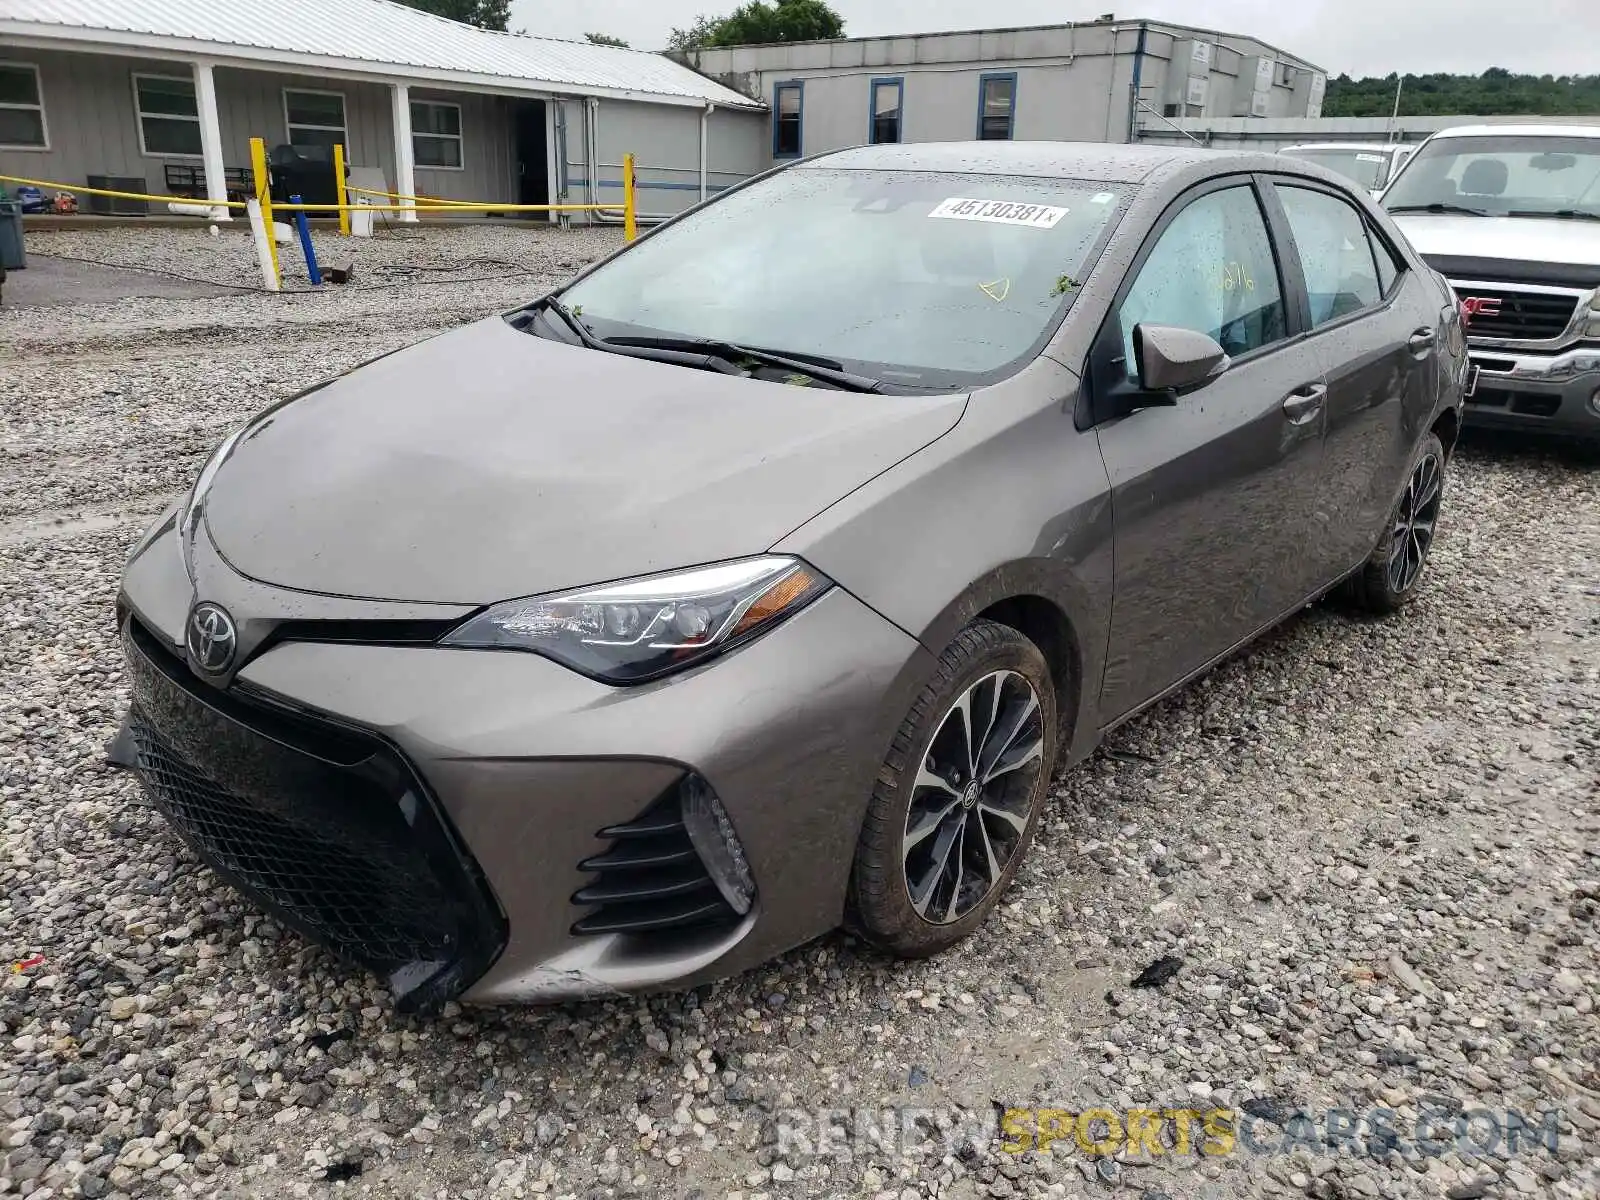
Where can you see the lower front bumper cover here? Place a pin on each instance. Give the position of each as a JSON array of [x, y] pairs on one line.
[[1554, 393], [329, 829]]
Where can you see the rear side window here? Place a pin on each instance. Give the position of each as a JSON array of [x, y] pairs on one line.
[[1212, 271], [1335, 252], [1388, 269]]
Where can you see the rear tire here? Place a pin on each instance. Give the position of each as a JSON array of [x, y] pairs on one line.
[[1391, 578], [955, 805]]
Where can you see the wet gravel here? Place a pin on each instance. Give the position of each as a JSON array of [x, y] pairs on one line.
[[1374, 847]]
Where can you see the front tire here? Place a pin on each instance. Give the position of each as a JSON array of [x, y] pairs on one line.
[[1390, 579], [957, 800]]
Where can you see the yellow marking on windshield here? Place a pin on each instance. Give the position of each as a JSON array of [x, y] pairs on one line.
[[998, 290]]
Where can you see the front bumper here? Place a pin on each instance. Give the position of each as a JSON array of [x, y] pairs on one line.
[[522, 781], [1557, 393]]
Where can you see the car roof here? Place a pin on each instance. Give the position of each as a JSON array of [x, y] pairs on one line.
[[1362, 146], [1100, 162], [1567, 131]]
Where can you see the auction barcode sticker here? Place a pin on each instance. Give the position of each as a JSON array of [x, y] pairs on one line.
[[1001, 212]]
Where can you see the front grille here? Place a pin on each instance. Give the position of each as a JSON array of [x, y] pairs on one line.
[[651, 879], [325, 827], [1528, 404], [1522, 316]]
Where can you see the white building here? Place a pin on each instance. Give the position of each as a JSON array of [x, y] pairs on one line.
[[1096, 81], [149, 92]]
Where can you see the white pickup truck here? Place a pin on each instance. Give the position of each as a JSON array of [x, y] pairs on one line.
[[1371, 164], [1510, 214]]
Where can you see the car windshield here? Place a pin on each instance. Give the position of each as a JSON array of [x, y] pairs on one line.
[[920, 280], [1369, 168], [1503, 174]]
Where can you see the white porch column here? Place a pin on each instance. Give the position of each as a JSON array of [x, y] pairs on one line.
[[205, 97], [405, 169]]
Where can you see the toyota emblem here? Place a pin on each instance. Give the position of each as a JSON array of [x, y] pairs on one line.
[[212, 638]]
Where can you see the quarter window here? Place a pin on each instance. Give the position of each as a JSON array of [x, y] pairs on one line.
[[997, 107], [21, 108], [1335, 252], [436, 134], [787, 103], [314, 118], [169, 117], [1212, 271], [887, 98]]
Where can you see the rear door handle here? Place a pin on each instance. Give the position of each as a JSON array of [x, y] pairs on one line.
[[1422, 340], [1303, 405]]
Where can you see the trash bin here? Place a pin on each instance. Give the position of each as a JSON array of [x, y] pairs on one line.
[[12, 257]]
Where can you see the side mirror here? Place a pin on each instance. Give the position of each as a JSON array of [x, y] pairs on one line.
[[1170, 359]]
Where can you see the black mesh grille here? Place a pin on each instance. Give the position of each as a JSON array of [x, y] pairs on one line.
[[651, 880], [324, 826], [373, 902], [1523, 316], [1530, 404]]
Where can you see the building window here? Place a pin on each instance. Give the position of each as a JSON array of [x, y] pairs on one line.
[[888, 96], [788, 101], [169, 117], [21, 108], [436, 134], [997, 107], [314, 118]]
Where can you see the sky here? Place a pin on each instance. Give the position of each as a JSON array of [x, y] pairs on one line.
[[1361, 37]]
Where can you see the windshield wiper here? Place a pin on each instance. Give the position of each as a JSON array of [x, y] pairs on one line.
[[1458, 209], [697, 359], [1561, 214], [821, 369]]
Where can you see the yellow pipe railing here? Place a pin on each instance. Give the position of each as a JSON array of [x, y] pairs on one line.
[[258, 164], [340, 187]]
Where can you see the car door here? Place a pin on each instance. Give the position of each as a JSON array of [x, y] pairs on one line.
[[1373, 329], [1211, 494]]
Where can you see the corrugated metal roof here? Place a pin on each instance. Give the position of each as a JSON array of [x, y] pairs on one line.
[[362, 35]]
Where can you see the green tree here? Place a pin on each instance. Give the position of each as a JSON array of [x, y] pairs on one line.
[[485, 14], [1496, 92], [605, 39], [758, 22]]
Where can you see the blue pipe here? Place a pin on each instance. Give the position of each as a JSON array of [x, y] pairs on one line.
[[304, 226]]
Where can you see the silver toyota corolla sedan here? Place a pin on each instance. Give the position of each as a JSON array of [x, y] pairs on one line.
[[757, 581]]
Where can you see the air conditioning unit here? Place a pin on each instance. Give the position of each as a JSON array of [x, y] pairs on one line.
[[1195, 93], [1259, 105]]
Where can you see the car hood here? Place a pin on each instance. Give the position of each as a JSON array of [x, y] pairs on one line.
[[1504, 239], [486, 464]]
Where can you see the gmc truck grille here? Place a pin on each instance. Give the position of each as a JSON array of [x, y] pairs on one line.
[[1517, 315]]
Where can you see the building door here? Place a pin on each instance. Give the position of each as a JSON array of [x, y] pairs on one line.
[[532, 154]]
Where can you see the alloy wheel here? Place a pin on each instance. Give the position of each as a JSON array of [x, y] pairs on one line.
[[1414, 524], [972, 797]]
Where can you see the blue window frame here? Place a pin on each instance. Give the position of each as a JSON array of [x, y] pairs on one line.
[[886, 111], [788, 119], [997, 106]]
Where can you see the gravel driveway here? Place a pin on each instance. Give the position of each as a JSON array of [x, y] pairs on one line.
[[1375, 847]]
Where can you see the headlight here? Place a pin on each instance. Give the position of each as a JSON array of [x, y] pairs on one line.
[[642, 629]]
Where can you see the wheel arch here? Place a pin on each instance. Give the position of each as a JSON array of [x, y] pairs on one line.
[[1042, 600], [1447, 427]]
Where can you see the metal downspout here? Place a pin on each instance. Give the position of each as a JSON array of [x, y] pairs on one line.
[[1133, 94], [705, 142]]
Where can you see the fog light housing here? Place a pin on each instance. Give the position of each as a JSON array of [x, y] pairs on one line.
[[718, 845], [1594, 402]]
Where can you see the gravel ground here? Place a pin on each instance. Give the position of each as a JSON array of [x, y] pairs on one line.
[[1375, 847]]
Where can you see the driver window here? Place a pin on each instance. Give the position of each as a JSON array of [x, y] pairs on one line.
[[1212, 271]]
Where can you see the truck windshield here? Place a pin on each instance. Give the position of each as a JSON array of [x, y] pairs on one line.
[[1369, 168], [920, 280], [1502, 175]]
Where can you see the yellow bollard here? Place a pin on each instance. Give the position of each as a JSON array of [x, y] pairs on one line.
[[338, 183], [258, 164], [630, 209]]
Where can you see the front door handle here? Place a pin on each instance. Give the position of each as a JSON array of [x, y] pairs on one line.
[[1422, 341], [1303, 405]]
